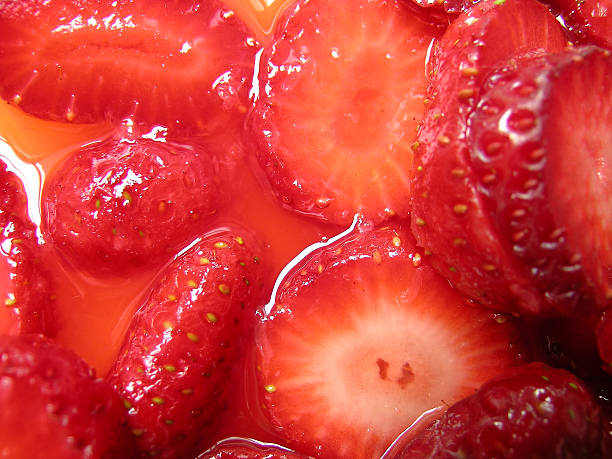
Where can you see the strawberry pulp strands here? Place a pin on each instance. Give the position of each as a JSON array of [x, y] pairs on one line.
[[361, 338], [340, 95], [182, 64], [449, 218]]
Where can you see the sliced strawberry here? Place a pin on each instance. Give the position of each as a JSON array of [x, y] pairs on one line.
[[450, 218], [175, 63], [244, 448], [25, 285], [362, 338], [340, 97], [173, 368], [529, 411], [523, 234], [53, 407], [128, 202], [589, 21]]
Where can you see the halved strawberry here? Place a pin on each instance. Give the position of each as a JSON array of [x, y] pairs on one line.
[[536, 190], [246, 448], [53, 407], [362, 337], [127, 202], [341, 92], [450, 218], [26, 294], [172, 371], [178, 63], [528, 411], [589, 21]]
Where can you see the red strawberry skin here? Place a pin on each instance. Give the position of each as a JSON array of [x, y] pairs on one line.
[[362, 338], [173, 368], [124, 203], [337, 111], [242, 448], [449, 218], [512, 233], [53, 406], [176, 63], [529, 411], [25, 285]]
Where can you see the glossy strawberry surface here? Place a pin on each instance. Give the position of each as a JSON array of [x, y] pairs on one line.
[[125, 202], [54, 407], [528, 411], [173, 370], [26, 290]]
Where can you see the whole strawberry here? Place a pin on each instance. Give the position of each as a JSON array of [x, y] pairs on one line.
[[172, 371], [127, 202], [529, 411], [25, 285], [53, 407]]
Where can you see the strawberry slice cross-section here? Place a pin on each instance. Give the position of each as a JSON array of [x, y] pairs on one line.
[[177, 63], [340, 97], [362, 338]]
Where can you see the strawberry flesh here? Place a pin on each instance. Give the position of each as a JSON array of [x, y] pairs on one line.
[[529, 411], [362, 338], [54, 407], [340, 97], [125, 203], [25, 285], [173, 368], [178, 63]]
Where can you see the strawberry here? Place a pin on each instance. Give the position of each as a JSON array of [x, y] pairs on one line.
[[53, 407], [173, 368], [127, 202], [25, 285], [529, 411], [449, 219], [244, 448], [362, 337], [337, 110], [589, 21], [178, 63], [518, 237]]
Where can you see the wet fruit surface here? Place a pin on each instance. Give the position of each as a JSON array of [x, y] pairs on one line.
[[179, 211]]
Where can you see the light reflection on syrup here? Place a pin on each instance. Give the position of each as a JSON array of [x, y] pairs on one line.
[[259, 15]]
